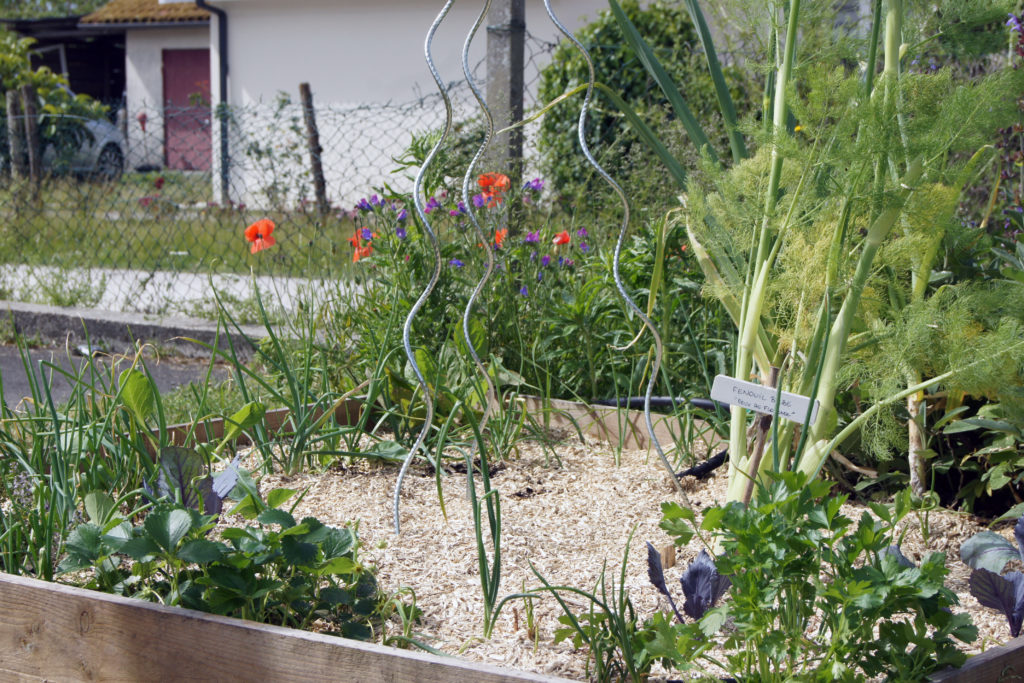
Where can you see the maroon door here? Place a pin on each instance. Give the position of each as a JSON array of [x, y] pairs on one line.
[[187, 120]]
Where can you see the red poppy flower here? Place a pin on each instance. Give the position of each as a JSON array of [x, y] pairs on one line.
[[500, 236], [360, 251], [561, 238], [493, 186], [493, 182], [259, 233]]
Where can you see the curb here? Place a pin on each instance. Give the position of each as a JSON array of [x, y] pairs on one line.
[[119, 332]]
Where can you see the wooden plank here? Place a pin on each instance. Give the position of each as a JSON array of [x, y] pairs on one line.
[[599, 422], [607, 423], [348, 413], [58, 633], [1004, 663]]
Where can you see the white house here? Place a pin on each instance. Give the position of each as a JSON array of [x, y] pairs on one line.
[[167, 81], [364, 60]]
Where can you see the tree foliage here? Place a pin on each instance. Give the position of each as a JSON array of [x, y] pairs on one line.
[[62, 113], [35, 9], [670, 33]]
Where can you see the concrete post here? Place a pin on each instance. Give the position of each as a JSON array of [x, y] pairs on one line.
[[506, 32], [16, 134], [32, 143]]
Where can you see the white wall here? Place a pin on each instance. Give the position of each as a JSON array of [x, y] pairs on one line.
[[144, 86], [353, 53], [360, 50]]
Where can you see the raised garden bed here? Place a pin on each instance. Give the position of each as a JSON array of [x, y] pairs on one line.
[[61, 632], [56, 632], [1004, 663]]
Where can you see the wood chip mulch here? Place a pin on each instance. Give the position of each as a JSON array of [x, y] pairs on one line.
[[569, 522]]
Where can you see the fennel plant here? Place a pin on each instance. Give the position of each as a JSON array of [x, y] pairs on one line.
[[855, 176]]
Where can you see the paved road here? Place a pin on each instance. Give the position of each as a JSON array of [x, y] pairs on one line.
[[169, 373], [121, 289]]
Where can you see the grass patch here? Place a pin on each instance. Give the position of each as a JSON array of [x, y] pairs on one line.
[[168, 221]]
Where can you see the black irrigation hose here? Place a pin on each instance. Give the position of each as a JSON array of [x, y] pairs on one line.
[[637, 402], [702, 469]]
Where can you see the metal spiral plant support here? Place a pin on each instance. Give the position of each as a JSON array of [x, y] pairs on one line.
[[435, 245], [658, 349], [491, 399]]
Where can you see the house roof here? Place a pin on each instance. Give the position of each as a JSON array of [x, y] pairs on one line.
[[146, 12]]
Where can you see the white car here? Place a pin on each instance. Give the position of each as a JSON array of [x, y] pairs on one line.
[[100, 154]]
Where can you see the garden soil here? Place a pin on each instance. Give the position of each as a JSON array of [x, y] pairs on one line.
[[567, 513]]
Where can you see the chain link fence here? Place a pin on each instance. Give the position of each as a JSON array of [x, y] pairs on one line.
[[138, 213]]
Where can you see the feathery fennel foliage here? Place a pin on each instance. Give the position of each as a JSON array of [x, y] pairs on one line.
[[824, 243]]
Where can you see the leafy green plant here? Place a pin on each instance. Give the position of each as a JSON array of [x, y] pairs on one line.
[[814, 594], [279, 571], [102, 439], [994, 442]]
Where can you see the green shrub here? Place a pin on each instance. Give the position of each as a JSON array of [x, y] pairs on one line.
[[670, 33]]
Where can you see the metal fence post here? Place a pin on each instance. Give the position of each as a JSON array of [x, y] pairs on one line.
[[506, 33]]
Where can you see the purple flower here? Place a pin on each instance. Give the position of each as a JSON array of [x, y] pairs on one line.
[[400, 232], [546, 261], [432, 204], [1014, 24], [479, 200], [460, 210], [523, 291], [533, 256], [376, 202], [536, 185], [532, 237], [540, 275], [364, 205], [569, 263], [561, 261], [456, 263], [584, 248], [402, 215], [582, 232], [366, 233]]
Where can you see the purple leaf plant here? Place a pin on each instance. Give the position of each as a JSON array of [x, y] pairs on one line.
[[179, 471], [701, 582], [987, 554]]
